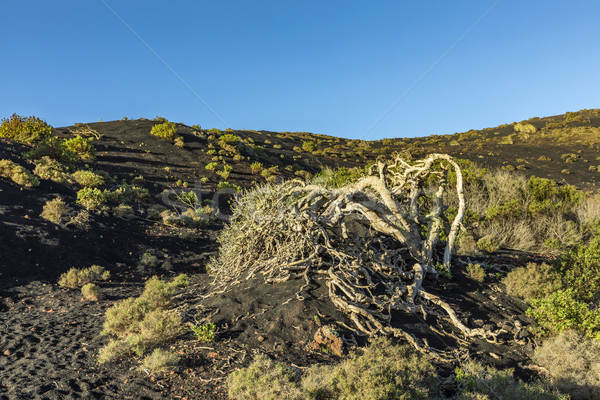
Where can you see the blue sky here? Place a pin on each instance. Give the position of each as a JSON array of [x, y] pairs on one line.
[[330, 67]]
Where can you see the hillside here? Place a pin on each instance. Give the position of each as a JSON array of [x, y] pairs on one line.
[[127, 211]]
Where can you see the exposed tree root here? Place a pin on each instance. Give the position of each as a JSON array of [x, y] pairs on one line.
[[377, 239]]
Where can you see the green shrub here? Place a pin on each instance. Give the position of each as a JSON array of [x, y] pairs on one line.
[[167, 130], [18, 174], [226, 185], [226, 171], [580, 270], [25, 129], [256, 167], [205, 332], [91, 198], [189, 199], [54, 148], [335, 178], [561, 311], [50, 169], [160, 360], [230, 139], [309, 146], [127, 194], [533, 281], [82, 147], [212, 166], [76, 278], [90, 291], [87, 178], [574, 364]]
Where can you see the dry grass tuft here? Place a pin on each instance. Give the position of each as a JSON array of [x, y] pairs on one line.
[[574, 364]]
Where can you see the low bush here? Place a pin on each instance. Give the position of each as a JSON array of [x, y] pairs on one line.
[[580, 270], [55, 211], [212, 166], [87, 178], [533, 281], [143, 323], [82, 147], [256, 167], [477, 382], [55, 149], [225, 172], [25, 129], [91, 198], [309, 146], [562, 311], [127, 194], [382, 371], [76, 278], [166, 130], [223, 185], [18, 174], [90, 291], [476, 272], [160, 360], [50, 169], [574, 364]]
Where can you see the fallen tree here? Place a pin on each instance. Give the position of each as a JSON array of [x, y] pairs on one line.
[[375, 239]]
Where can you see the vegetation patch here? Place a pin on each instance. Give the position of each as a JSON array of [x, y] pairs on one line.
[[76, 278], [25, 129], [18, 174]]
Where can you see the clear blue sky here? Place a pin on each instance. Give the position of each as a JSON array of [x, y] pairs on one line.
[[331, 67]]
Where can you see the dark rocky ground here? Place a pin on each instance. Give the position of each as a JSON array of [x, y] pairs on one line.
[[50, 337]]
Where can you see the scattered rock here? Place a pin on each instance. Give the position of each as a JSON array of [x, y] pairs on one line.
[[326, 337]]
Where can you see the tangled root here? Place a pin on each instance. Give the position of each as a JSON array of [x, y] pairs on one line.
[[376, 239]]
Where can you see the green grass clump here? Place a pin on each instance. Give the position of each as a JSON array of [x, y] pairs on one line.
[[18, 174], [87, 178], [25, 129], [76, 278], [167, 130], [82, 147], [91, 198]]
